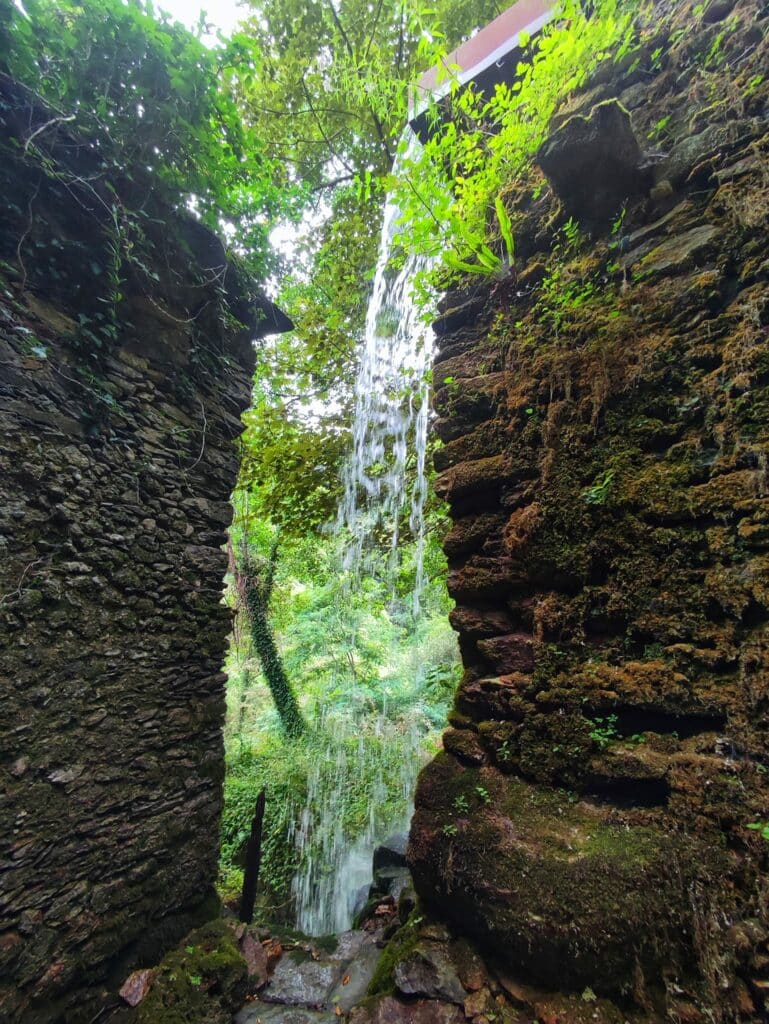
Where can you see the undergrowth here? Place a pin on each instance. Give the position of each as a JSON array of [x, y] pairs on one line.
[[374, 687]]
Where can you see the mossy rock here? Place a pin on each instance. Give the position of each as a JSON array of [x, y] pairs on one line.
[[555, 887], [203, 981], [398, 948]]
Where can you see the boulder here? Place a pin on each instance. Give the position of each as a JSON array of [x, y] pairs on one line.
[[430, 972], [389, 1010], [594, 162], [300, 981], [391, 852]]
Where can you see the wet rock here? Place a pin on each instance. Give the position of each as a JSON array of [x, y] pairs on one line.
[[359, 903], [480, 622], [470, 968], [255, 956], [299, 980], [392, 852], [349, 945], [511, 653], [258, 1013], [717, 10], [478, 1003], [136, 986], [690, 152], [356, 977], [390, 881], [389, 1010], [202, 981], [465, 310], [594, 162], [678, 252], [407, 902], [428, 971], [465, 745], [469, 533]]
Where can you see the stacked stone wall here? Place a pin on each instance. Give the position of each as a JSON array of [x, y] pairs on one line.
[[604, 413], [125, 362]]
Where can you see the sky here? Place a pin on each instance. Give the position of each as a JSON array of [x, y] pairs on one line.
[[224, 14]]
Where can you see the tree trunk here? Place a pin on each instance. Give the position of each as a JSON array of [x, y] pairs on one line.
[[274, 673], [253, 862]]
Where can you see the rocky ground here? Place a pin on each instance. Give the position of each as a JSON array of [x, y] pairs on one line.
[[396, 966], [400, 965]]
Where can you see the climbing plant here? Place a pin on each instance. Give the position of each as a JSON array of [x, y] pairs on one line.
[[157, 101], [254, 578]]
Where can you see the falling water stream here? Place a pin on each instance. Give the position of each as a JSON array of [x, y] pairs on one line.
[[384, 481], [391, 412]]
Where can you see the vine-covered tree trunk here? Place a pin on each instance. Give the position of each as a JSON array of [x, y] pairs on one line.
[[255, 586]]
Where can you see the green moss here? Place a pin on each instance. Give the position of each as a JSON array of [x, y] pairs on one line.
[[202, 981], [400, 945]]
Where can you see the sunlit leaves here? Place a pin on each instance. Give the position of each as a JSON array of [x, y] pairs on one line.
[[153, 96]]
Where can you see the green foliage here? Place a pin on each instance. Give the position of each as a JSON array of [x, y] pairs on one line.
[[604, 730], [254, 579], [156, 99], [327, 83], [761, 827], [599, 492], [370, 684], [448, 192]]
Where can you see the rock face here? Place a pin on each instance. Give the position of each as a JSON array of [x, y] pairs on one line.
[[594, 162], [117, 420], [605, 450]]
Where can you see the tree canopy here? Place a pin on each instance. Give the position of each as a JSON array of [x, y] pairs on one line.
[[157, 101]]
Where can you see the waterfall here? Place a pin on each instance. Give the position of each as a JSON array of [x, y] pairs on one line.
[[392, 398], [333, 875], [384, 484]]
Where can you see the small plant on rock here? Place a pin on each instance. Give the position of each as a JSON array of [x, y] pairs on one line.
[[604, 731]]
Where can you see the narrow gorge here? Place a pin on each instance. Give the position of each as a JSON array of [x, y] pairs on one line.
[[589, 841]]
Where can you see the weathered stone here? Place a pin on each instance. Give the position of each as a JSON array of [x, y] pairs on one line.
[[470, 968], [465, 745], [470, 532], [298, 980], [678, 253], [256, 959], [690, 152], [480, 622], [429, 972], [391, 852], [389, 1010], [136, 986], [116, 467], [356, 976], [258, 1013], [511, 653], [594, 162], [607, 737]]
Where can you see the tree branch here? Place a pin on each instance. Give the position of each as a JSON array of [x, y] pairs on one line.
[[322, 131], [334, 182]]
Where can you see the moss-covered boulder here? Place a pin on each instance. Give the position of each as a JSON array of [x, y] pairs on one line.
[[203, 981]]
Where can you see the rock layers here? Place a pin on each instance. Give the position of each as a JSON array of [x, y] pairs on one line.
[[604, 414], [119, 406]]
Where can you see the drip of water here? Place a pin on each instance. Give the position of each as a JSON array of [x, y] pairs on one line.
[[392, 398], [333, 874], [367, 760]]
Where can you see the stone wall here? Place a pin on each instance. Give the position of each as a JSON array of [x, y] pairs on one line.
[[125, 361], [605, 423]]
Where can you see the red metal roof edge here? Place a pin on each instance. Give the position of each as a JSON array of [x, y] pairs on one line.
[[493, 41]]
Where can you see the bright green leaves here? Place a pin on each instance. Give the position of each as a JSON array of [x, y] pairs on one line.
[[451, 194], [156, 98]]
